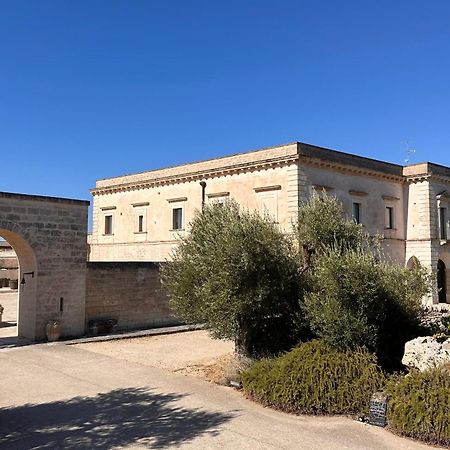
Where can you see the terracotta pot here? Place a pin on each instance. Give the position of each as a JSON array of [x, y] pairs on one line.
[[53, 330]]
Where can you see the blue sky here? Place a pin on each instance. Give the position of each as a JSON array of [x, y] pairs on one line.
[[92, 89]]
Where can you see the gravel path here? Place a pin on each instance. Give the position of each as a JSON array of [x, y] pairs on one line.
[[188, 353]]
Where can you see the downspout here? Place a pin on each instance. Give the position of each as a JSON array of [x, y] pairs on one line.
[[203, 185]]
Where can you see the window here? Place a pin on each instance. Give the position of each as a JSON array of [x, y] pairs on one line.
[[108, 224], [443, 223], [389, 217], [140, 223], [356, 212], [177, 218]]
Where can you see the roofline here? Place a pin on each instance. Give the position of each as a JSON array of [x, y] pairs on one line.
[[43, 198], [309, 153], [299, 145], [344, 158], [198, 161]]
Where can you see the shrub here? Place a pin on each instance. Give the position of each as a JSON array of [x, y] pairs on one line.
[[357, 300], [419, 405], [236, 272], [314, 378]]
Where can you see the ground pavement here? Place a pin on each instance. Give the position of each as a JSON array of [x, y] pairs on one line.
[[56, 396]]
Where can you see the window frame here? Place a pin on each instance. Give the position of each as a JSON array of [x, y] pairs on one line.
[[357, 219], [108, 228], [140, 223], [443, 220], [181, 210], [389, 218]]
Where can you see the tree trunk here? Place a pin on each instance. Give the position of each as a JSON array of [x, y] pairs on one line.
[[242, 341]]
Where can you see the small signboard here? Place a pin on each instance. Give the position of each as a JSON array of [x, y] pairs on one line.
[[378, 409]]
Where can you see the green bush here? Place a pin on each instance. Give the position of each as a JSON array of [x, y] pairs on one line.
[[357, 300], [419, 405], [314, 378]]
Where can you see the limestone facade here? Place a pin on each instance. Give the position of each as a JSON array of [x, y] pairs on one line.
[[139, 217]]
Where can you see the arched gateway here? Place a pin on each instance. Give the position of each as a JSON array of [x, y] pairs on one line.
[[48, 235]]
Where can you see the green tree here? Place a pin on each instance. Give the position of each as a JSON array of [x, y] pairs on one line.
[[356, 298], [236, 272], [322, 225]]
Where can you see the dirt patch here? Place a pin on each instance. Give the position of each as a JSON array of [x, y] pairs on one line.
[[192, 353]]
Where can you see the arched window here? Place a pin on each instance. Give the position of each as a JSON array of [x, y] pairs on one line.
[[441, 282]]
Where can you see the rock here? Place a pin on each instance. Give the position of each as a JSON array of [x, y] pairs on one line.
[[424, 352]]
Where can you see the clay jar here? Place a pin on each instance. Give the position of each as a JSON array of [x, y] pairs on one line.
[[53, 330]]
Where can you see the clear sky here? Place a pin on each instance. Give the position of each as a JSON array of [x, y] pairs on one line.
[[91, 89]]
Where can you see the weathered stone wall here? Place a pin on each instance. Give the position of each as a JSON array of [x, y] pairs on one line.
[[130, 292], [49, 237]]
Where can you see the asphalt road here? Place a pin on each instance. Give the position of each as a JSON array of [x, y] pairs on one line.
[[56, 396]]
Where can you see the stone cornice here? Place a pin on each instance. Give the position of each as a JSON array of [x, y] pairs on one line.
[[329, 165], [198, 175], [271, 157]]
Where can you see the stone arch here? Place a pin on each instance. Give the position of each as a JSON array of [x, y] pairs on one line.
[[413, 263], [48, 235], [20, 242], [441, 281]]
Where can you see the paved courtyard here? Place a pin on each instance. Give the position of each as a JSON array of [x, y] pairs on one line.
[[122, 394]]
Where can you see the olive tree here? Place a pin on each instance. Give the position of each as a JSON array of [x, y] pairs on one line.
[[356, 297], [236, 272]]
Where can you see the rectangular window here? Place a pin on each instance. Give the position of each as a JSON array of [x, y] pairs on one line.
[[443, 223], [108, 225], [140, 224], [177, 218], [356, 212], [389, 217]]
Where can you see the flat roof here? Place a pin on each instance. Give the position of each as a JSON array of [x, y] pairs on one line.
[[298, 148]]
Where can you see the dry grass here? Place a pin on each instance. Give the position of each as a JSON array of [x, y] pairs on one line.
[[227, 368]]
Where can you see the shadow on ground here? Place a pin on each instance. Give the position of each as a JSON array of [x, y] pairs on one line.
[[117, 418]]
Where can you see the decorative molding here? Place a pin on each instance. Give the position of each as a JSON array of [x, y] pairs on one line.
[[218, 194], [357, 193], [349, 169], [135, 205], [275, 187], [390, 198], [178, 199], [108, 208], [266, 164]]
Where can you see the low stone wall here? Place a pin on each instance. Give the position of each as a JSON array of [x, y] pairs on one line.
[[130, 292]]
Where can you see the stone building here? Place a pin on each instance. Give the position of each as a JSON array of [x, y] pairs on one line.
[[138, 217]]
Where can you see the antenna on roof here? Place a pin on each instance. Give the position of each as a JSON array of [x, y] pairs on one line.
[[410, 152]]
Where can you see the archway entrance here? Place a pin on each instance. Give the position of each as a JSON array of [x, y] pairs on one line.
[[441, 282], [9, 274], [21, 298]]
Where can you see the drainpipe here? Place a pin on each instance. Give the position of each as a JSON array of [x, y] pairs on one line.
[[203, 185]]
